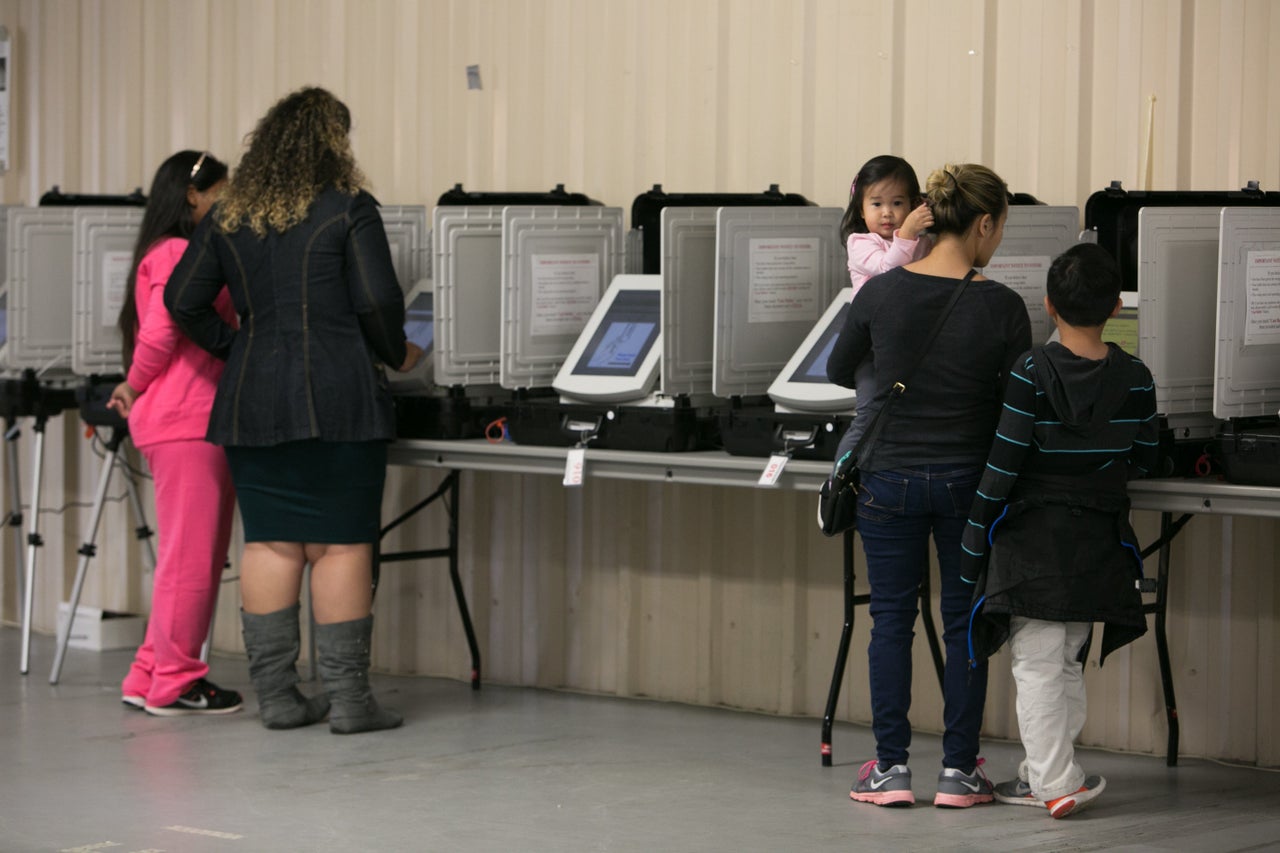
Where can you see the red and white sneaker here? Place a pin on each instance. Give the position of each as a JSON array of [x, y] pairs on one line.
[[1060, 807]]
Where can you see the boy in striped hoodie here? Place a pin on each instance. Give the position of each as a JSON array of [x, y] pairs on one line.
[[1048, 545]]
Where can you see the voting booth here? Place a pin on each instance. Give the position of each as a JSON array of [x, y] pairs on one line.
[[103, 243], [557, 264], [410, 244], [1177, 293], [465, 312], [56, 330], [39, 276], [1246, 388], [1033, 236], [679, 232], [777, 272], [1166, 244]]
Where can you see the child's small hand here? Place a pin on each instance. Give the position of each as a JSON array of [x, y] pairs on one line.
[[122, 399], [917, 222]]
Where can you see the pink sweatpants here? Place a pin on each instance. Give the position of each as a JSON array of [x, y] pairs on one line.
[[194, 505]]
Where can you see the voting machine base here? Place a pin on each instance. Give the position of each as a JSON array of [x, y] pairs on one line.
[[654, 429], [28, 396], [762, 431], [92, 398], [1248, 451], [451, 416], [1181, 456]]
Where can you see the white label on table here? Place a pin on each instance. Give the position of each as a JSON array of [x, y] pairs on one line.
[[784, 282], [575, 465], [566, 289], [1262, 298], [772, 471]]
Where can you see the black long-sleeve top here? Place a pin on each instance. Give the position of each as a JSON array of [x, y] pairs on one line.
[[949, 411], [319, 308]]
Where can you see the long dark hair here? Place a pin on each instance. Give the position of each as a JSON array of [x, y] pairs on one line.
[[874, 171], [167, 215]]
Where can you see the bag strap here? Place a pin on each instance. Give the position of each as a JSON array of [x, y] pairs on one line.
[[896, 390]]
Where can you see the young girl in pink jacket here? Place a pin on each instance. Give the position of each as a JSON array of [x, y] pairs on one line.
[[884, 225], [166, 396]]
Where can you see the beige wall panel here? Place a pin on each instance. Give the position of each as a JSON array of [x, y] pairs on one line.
[[1119, 97], [667, 610], [1040, 130], [947, 51], [853, 107], [1191, 644], [1239, 652]]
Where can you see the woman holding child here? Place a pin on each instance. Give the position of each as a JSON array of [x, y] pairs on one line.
[[920, 476]]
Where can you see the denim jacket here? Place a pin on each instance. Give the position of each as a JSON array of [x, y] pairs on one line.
[[320, 313]]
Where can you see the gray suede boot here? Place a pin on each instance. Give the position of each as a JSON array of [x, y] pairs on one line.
[[272, 641], [343, 652]]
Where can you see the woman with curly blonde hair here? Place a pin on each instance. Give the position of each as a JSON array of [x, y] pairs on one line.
[[302, 408]]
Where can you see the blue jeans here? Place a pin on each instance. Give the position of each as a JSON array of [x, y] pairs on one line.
[[897, 510]]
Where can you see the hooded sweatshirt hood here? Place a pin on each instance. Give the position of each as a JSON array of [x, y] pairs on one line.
[[1085, 393]]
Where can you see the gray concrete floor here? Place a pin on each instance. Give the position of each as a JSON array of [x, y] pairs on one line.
[[514, 769]]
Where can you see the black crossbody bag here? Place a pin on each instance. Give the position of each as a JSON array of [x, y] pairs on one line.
[[838, 499]]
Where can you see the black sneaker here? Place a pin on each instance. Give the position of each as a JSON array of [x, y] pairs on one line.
[[202, 697]]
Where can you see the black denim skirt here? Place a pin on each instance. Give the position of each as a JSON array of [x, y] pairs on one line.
[[323, 492]]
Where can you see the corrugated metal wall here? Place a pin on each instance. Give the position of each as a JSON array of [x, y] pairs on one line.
[[677, 592]]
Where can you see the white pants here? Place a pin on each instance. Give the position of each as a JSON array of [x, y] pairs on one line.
[[1051, 702]]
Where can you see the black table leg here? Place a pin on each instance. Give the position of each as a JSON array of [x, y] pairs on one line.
[[447, 493], [842, 652], [1167, 533]]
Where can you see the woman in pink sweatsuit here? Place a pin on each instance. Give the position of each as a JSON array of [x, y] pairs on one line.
[[166, 396]]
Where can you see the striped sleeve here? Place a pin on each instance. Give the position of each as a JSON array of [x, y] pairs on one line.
[[1009, 451], [1146, 444]]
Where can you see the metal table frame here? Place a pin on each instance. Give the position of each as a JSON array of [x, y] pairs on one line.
[[1188, 497], [716, 468]]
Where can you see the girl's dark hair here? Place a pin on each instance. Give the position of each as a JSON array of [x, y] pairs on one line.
[[960, 194], [1084, 285], [874, 171], [167, 215]]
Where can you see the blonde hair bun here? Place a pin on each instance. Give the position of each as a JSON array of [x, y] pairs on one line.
[[959, 194]]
